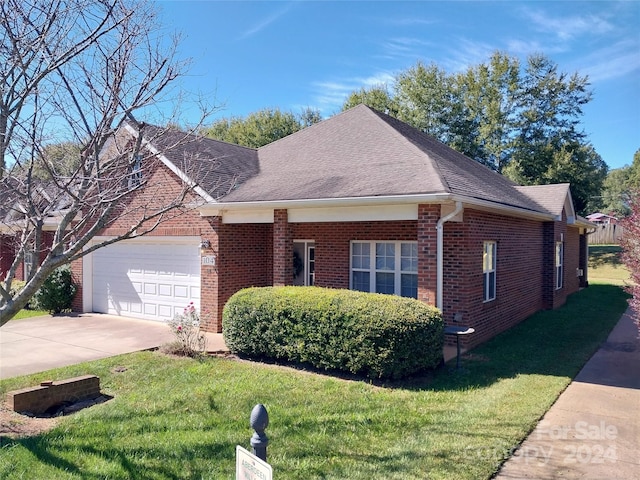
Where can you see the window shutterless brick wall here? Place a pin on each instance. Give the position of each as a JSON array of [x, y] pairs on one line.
[[525, 271]]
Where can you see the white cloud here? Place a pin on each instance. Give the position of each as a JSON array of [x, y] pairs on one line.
[[330, 95], [466, 53], [617, 60], [410, 21], [264, 23], [524, 48], [403, 47], [568, 27]]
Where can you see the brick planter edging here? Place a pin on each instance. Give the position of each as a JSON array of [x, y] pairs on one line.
[[39, 399]]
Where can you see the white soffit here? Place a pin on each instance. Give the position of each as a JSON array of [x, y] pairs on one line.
[[354, 214], [247, 216]]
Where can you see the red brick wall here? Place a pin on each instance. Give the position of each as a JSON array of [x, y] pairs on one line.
[[163, 187], [524, 268], [282, 249], [48, 394], [519, 272], [244, 260], [7, 254], [333, 243]]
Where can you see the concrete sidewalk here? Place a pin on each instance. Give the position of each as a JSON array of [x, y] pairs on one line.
[[593, 430], [41, 343]]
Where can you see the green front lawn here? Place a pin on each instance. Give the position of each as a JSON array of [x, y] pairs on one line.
[[605, 265], [29, 314], [174, 418]]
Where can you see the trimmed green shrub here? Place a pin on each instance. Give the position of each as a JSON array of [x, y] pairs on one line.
[[56, 293], [380, 336]]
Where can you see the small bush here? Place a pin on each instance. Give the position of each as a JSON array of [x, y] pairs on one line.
[[380, 336], [56, 293], [189, 342]]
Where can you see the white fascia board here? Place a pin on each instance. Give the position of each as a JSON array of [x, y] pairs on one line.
[[171, 166], [502, 209]]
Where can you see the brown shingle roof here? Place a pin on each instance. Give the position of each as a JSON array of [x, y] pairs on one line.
[[357, 153], [551, 198], [216, 166], [362, 153]]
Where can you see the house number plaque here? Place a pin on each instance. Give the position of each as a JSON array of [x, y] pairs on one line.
[[209, 260]]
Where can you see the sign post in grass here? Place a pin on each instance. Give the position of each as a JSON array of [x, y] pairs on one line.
[[253, 465]]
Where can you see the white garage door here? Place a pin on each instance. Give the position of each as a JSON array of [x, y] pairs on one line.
[[146, 280]]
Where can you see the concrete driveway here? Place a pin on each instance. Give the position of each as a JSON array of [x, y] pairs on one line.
[[42, 343]]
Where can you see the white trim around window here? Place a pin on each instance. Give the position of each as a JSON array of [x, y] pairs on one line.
[[559, 264], [489, 252], [384, 267]]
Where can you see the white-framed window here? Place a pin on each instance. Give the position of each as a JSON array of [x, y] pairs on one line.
[[559, 264], [489, 271], [29, 256], [135, 174], [385, 267]]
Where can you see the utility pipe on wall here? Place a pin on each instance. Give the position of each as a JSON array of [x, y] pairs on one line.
[[440, 253]]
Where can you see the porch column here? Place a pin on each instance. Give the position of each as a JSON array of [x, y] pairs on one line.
[[282, 249], [428, 216]]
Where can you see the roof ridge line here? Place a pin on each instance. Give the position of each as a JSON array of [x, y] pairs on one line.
[[434, 162]]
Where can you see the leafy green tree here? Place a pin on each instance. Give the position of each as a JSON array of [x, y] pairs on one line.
[[488, 92], [376, 97], [618, 186], [424, 95], [615, 194], [634, 172], [522, 121], [261, 127], [582, 167]]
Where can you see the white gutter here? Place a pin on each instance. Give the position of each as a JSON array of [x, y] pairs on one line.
[[218, 208], [440, 253], [215, 209]]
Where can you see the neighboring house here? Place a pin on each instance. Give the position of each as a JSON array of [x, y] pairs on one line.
[[12, 208], [602, 219], [360, 201]]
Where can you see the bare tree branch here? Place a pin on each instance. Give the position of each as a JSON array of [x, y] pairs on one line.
[[80, 72]]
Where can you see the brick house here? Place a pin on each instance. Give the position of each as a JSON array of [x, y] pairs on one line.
[[360, 201]]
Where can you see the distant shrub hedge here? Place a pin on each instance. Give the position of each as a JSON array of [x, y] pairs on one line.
[[56, 293], [380, 336]]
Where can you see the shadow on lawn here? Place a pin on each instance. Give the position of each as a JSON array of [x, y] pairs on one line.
[[147, 461], [557, 343], [605, 255]]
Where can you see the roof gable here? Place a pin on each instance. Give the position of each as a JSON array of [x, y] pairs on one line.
[[554, 198], [215, 167]]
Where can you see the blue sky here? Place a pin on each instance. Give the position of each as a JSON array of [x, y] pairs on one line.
[[260, 54]]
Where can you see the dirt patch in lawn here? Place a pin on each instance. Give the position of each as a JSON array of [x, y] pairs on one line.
[[16, 425]]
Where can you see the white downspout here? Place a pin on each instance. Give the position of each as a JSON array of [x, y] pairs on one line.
[[440, 253]]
